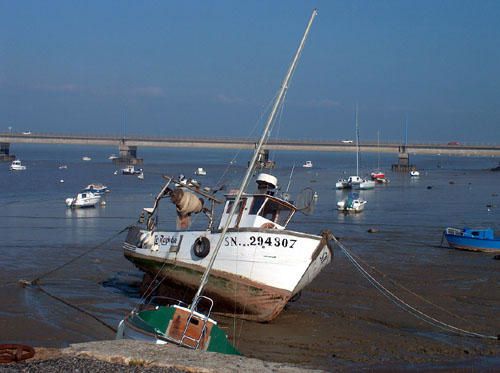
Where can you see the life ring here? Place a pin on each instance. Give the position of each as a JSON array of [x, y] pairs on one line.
[[201, 247], [15, 352], [268, 226]]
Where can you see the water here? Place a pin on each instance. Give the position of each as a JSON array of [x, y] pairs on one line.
[[38, 233]]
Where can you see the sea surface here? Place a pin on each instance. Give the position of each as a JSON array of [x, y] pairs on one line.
[[39, 234]]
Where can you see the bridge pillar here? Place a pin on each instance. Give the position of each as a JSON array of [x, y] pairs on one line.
[[263, 160], [5, 152], [128, 154], [403, 164]]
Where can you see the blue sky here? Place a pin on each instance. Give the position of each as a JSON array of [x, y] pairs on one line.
[[209, 68]]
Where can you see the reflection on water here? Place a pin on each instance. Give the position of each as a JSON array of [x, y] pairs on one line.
[[91, 212]]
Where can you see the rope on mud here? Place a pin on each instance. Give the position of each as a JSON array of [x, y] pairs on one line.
[[75, 307], [405, 306], [36, 281]]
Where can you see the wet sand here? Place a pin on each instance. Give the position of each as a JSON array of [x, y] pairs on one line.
[[341, 321]]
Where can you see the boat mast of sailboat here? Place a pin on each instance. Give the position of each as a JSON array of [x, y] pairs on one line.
[[357, 142], [251, 166]]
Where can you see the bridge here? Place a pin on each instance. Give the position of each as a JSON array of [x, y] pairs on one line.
[[127, 145]]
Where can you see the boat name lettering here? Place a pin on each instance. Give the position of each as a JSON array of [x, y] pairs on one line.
[[164, 240], [261, 241]]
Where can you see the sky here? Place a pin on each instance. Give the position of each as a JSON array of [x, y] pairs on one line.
[[211, 68]]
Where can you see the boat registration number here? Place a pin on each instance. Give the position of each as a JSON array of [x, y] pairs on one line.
[[260, 241], [165, 240]]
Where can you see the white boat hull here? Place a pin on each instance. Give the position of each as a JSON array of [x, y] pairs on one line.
[[83, 202], [354, 207], [257, 271]]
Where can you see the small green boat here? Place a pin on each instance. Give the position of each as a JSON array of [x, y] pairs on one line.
[[165, 320]]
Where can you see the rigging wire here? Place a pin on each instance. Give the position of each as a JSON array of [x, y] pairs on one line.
[[404, 305]]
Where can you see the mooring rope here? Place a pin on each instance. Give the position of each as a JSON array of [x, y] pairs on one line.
[[46, 292], [36, 281], [405, 306]]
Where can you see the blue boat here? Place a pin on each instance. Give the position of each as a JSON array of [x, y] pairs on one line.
[[473, 239]]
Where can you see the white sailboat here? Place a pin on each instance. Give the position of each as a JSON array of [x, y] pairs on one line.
[[260, 264], [355, 180]]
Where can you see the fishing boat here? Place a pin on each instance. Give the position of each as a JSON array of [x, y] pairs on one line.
[[200, 171], [96, 188], [83, 200], [255, 264], [353, 203], [307, 164], [130, 170], [472, 239], [17, 166]]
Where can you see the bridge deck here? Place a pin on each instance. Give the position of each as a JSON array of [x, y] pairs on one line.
[[235, 143]]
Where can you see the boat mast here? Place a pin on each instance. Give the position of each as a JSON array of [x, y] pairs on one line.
[[357, 142], [378, 150], [246, 179]]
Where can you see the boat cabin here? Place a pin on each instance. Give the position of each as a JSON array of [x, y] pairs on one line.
[[482, 234], [260, 210]]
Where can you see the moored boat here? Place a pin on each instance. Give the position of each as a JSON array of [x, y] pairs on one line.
[[83, 200], [16, 165], [307, 164], [200, 171], [342, 184], [353, 203], [131, 170], [377, 175], [96, 188], [366, 184], [472, 239]]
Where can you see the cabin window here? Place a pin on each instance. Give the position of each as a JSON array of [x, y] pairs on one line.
[[276, 212], [258, 201], [241, 204]]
